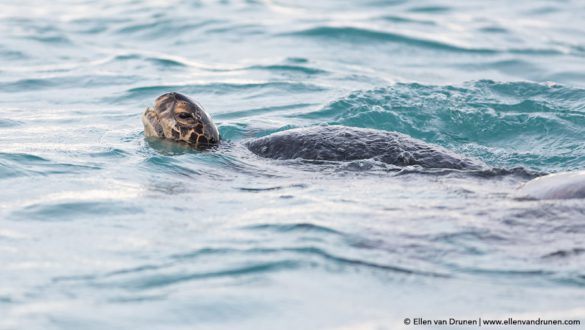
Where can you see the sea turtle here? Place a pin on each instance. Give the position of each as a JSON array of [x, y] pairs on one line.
[[566, 185], [178, 118]]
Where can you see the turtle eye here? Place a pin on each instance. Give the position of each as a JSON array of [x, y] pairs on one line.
[[184, 115]]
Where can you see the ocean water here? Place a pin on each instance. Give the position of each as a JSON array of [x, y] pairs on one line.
[[102, 229]]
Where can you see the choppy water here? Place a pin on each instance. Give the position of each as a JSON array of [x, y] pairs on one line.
[[101, 229]]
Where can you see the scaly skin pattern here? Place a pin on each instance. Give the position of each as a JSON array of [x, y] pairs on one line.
[[176, 117], [342, 143]]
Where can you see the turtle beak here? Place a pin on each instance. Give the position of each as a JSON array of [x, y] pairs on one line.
[[152, 127]]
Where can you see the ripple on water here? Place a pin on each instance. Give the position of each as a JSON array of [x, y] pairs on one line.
[[110, 153], [513, 66], [5, 123], [12, 55], [70, 81], [295, 227], [262, 111], [562, 254], [251, 269], [252, 89], [288, 68], [170, 165], [407, 20], [159, 28], [160, 61], [357, 35], [67, 211], [238, 263], [18, 164], [430, 9], [231, 131]]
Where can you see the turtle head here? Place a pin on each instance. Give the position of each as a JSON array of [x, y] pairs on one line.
[[178, 118]]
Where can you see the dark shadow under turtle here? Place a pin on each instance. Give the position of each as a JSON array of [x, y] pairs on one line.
[[176, 117]]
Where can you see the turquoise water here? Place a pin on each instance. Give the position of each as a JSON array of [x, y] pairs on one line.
[[101, 229]]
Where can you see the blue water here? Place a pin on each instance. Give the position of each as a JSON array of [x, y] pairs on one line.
[[101, 229]]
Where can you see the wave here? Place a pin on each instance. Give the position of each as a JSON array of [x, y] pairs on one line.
[[5, 123], [157, 28], [12, 55], [363, 35], [237, 263], [261, 111], [295, 228], [509, 125], [359, 35], [67, 211], [62, 82], [430, 9], [156, 60], [288, 68], [275, 88], [20, 164]]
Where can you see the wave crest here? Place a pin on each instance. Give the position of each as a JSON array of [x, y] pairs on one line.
[[505, 124]]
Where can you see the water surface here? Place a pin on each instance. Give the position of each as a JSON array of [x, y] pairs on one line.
[[102, 229]]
